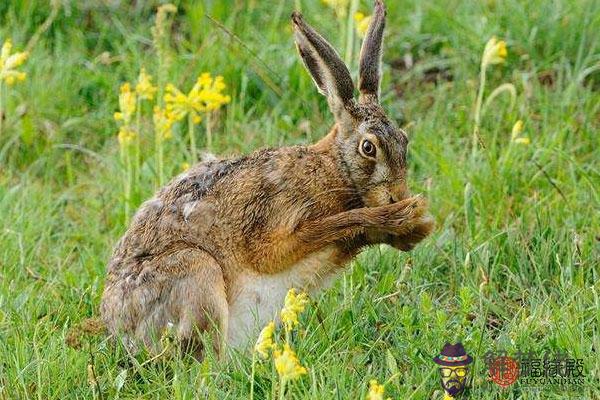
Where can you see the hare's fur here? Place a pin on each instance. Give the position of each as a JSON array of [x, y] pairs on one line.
[[217, 249], [260, 296]]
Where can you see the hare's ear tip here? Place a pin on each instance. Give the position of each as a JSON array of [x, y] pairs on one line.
[[296, 17], [379, 4]]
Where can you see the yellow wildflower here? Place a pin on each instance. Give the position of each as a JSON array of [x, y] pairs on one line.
[[494, 52], [339, 6], [517, 129], [375, 390], [126, 104], [362, 23], [265, 340], [179, 105], [287, 364], [126, 135], [294, 305], [205, 96], [207, 92], [144, 88], [185, 166], [163, 123], [9, 63]]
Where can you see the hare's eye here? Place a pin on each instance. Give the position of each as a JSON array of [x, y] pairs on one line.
[[368, 148]]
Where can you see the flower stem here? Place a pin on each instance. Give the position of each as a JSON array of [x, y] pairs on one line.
[[476, 136], [1, 109], [127, 180], [138, 129], [208, 132], [253, 374], [192, 138], [158, 147], [282, 389]]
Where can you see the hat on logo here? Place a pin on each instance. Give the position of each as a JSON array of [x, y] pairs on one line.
[[453, 355]]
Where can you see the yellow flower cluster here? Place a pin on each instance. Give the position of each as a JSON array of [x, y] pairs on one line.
[[265, 340], [163, 123], [376, 390], [494, 52], [287, 364], [205, 96], [294, 305], [9, 63], [339, 6], [126, 135], [362, 23], [517, 129], [127, 104], [144, 88]]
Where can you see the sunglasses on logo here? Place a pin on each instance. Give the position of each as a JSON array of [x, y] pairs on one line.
[[447, 372]]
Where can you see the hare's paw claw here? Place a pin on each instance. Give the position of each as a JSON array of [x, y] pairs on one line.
[[421, 228], [407, 213]]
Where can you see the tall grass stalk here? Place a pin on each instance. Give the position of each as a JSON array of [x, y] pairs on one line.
[[160, 40], [478, 103], [350, 34]]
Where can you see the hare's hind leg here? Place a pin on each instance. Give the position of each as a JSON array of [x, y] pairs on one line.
[[198, 301], [184, 289]]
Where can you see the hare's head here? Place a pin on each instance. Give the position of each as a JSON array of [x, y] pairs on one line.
[[371, 148]]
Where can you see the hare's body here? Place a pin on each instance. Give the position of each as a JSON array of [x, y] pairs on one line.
[[237, 212], [218, 248]]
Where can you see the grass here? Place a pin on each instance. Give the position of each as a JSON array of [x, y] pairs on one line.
[[512, 265]]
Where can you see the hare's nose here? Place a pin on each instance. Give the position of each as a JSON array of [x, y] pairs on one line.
[[398, 192]]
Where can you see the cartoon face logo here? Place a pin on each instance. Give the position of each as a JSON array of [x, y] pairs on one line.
[[453, 362]]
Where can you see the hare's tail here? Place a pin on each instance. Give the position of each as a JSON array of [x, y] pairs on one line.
[[88, 328]]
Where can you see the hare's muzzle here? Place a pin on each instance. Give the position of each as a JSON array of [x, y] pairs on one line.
[[398, 192]]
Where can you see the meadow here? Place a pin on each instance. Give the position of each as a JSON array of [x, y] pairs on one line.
[[514, 261]]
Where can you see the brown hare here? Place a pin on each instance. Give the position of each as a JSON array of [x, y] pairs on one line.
[[217, 249]]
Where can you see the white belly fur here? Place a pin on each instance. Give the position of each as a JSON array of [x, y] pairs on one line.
[[259, 298]]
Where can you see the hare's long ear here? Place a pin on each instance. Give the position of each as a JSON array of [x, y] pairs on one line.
[[370, 56], [327, 69]]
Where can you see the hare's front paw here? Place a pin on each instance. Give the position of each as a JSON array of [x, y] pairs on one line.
[[420, 229], [410, 223], [405, 215]]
